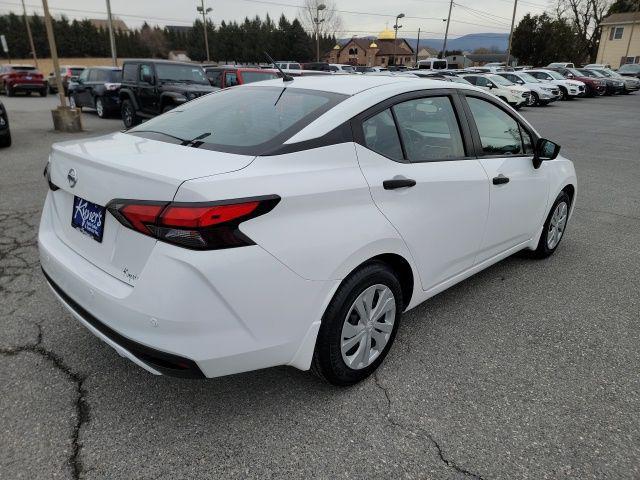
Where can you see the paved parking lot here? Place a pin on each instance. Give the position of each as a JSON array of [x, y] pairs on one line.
[[527, 370]]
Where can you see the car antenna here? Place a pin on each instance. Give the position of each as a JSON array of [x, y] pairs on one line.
[[285, 76]]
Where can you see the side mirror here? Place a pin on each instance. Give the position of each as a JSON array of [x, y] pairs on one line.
[[570, 75], [520, 82], [545, 150], [491, 85]]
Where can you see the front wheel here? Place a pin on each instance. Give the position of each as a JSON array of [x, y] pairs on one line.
[[565, 93], [100, 110], [359, 325], [129, 116], [534, 99], [5, 140], [554, 227]]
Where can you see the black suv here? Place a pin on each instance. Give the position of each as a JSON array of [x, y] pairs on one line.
[[5, 134], [151, 87], [98, 88]]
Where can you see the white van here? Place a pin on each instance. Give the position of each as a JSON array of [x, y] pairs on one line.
[[433, 64]]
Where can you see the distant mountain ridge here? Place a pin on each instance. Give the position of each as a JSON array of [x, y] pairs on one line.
[[469, 43]]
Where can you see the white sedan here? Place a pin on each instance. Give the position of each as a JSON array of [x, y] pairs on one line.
[[568, 88], [297, 223]]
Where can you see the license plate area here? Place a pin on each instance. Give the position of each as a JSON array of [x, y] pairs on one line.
[[88, 218]]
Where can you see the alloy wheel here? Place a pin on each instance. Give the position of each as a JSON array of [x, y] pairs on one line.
[[99, 107], [368, 326], [557, 225]]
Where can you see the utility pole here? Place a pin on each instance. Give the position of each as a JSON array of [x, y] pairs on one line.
[[513, 21], [446, 32], [26, 22], [54, 52], [395, 39], [204, 12], [112, 38], [317, 21], [633, 24], [417, 46]]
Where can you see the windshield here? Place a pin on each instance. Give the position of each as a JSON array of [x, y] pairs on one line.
[[588, 73], [500, 80], [75, 72], [439, 65], [348, 68], [24, 68], [180, 73], [250, 77], [555, 75], [528, 78], [630, 68], [249, 120], [576, 73]]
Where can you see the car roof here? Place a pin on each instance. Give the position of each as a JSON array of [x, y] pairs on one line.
[[344, 84], [158, 60]]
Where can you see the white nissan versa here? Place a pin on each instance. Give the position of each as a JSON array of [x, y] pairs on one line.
[[292, 222]]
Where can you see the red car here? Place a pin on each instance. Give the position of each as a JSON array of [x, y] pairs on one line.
[[594, 86], [21, 78], [230, 76]]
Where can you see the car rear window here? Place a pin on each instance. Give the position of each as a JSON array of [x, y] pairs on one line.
[[244, 120], [76, 71], [24, 68], [250, 77]]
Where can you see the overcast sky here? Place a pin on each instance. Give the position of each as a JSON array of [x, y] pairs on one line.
[[359, 17]]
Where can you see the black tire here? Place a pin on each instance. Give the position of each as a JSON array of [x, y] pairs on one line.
[[565, 94], [543, 250], [43, 92], [327, 362], [101, 110], [535, 99], [129, 116], [5, 140], [51, 89], [9, 91]]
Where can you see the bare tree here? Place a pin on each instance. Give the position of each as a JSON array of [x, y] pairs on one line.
[[585, 16], [330, 21]]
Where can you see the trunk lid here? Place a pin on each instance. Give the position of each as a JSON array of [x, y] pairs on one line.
[[122, 166]]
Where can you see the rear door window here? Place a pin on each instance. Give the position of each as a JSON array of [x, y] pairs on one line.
[[429, 129], [230, 79], [129, 72], [248, 120]]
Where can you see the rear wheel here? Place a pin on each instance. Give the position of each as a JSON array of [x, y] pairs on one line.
[[10, 92], [129, 116], [359, 325], [554, 227], [43, 92]]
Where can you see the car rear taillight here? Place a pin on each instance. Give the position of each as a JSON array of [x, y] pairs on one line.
[[198, 226]]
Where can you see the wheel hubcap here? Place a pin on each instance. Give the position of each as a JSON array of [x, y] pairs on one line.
[[368, 326], [99, 107], [557, 225]]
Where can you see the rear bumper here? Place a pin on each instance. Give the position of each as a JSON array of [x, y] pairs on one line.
[[28, 87], [192, 313]]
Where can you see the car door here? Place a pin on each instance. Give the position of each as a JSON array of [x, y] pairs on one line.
[[518, 190], [147, 89], [415, 152], [82, 87]]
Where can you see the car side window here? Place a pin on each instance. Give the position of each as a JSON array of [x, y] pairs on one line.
[[92, 76], [129, 72], [215, 77], [429, 129], [500, 133], [471, 80], [230, 79], [381, 135], [482, 82], [145, 71], [84, 76]]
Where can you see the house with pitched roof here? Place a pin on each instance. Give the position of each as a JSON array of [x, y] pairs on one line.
[[619, 39], [379, 52]]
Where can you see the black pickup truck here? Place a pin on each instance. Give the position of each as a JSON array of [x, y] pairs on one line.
[[152, 87]]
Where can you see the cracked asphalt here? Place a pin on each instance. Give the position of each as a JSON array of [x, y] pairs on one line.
[[529, 370]]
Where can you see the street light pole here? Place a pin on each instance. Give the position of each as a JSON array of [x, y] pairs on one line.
[[446, 32], [513, 21], [112, 38], [204, 12], [26, 22], [317, 21], [395, 39]]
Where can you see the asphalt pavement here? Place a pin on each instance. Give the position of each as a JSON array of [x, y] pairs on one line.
[[528, 370]]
